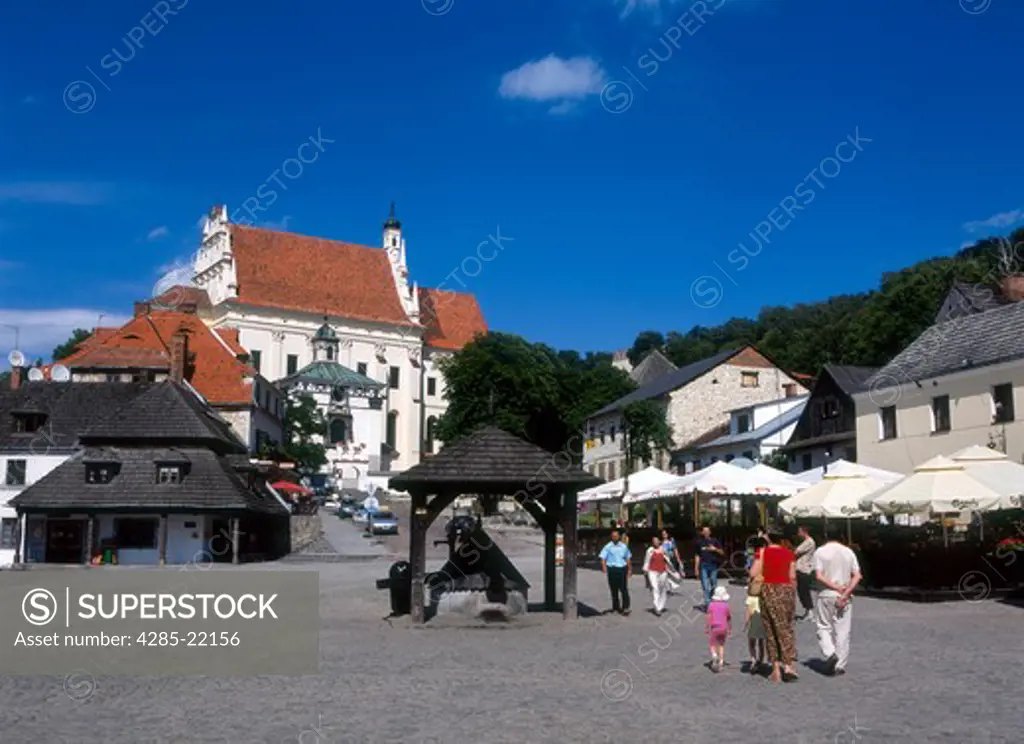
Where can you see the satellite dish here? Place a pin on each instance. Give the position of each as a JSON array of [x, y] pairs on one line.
[[16, 358], [35, 375], [60, 373]]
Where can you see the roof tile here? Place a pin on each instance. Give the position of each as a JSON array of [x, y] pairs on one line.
[[452, 319]]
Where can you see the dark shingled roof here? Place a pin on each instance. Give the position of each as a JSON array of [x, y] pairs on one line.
[[210, 483], [70, 409], [495, 461], [850, 379], [968, 299], [653, 366], [673, 380], [969, 342]]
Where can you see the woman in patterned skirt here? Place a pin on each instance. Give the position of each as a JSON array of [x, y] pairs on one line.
[[776, 565]]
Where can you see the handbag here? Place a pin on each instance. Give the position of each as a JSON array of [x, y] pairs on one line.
[[754, 590]]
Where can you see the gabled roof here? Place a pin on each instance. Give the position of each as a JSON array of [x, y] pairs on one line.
[[181, 296], [330, 373], [775, 402], [968, 299], [673, 380], [764, 430], [315, 275], [969, 342], [493, 460], [70, 408], [652, 367], [164, 412], [452, 319], [209, 483], [849, 378], [144, 343]]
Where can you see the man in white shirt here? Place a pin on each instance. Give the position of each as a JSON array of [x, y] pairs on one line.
[[371, 505], [838, 571]]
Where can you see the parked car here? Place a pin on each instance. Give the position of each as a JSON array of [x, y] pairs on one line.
[[384, 523], [348, 508]]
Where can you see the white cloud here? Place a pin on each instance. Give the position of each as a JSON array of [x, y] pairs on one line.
[[995, 222], [563, 108], [158, 233], [76, 193], [554, 79], [40, 331]]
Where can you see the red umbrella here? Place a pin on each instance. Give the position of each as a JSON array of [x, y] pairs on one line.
[[286, 487]]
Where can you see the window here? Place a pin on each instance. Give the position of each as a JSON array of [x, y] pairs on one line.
[[393, 378], [612, 474], [602, 471], [887, 420], [28, 423], [428, 445], [603, 435], [293, 364], [339, 430], [789, 389], [742, 423], [714, 459], [1002, 402], [256, 358], [806, 462], [16, 470], [851, 454], [113, 377], [611, 432], [8, 528], [168, 474], [361, 368], [266, 399], [330, 353], [135, 533], [391, 435], [748, 379], [431, 386], [749, 455], [730, 458], [696, 465], [99, 473], [830, 408], [940, 414]]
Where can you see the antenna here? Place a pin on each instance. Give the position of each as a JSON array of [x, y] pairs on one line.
[[16, 358], [60, 373], [35, 375]]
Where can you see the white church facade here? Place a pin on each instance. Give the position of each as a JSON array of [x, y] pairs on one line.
[[280, 289]]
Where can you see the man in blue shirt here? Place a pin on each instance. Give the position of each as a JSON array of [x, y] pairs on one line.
[[708, 557], [615, 563]]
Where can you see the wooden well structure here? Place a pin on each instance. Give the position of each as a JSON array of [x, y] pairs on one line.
[[491, 462]]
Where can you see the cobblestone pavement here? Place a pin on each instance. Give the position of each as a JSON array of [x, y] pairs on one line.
[[935, 673]]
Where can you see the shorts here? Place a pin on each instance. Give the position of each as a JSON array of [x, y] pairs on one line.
[[717, 636]]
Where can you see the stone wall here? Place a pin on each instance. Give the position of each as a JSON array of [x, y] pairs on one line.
[[305, 530]]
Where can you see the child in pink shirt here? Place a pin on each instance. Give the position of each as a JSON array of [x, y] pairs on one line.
[[718, 626]]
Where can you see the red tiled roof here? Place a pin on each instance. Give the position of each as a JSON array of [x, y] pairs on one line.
[[98, 336], [144, 342], [179, 295], [452, 319], [314, 275], [232, 339]]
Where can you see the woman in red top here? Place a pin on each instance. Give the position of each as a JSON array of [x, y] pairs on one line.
[[776, 565], [656, 567]]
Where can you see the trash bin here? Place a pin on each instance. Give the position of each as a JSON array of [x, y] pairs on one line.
[[400, 588]]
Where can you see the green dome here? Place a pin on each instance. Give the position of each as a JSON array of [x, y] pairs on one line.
[[325, 333]]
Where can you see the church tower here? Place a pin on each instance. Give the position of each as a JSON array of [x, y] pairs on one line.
[[325, 343], [394, 246]]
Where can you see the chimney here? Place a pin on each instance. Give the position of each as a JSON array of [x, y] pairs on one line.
[[179, 355], [141, 308], [15, 378], [1013, 287]]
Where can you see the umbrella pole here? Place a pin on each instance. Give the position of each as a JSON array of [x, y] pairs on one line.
[[981, 526], [849, 532], [696, 508], [945, 535]]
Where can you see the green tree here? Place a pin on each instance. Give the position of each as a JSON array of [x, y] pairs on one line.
[[68, 347], [645, 343], [777, 460], [305, 432]]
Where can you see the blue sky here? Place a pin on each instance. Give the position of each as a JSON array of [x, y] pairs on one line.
[[626, 148]]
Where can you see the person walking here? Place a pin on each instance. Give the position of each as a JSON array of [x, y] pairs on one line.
[[805, 571], [838, 570], [656, 568], [776, 567], [370, 505], [708, 558], [718, 627], [615, 563], [675, 563]]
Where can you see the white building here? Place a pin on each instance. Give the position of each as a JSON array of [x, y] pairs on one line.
[[753, 432], [275, 288]]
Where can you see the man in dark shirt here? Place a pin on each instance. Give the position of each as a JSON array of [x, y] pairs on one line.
[[708, 557]]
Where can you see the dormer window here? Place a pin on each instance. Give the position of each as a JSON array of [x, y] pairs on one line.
[[28, 423], [166, 474], [742, 423], [99, 473]]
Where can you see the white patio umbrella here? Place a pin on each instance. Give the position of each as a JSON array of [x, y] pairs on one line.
[[995, 470], [779, 483], [939, 485], [642, 480], [836, 495], [719, 478], [814, 475]]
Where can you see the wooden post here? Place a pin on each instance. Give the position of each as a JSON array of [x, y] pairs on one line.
[[571, 548], [19, 538], [234, 539], [418, 552], [89, 527], [163, 539], [550, 535]]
